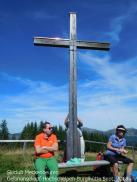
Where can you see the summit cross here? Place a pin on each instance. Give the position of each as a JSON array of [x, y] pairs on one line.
[[73, 141]]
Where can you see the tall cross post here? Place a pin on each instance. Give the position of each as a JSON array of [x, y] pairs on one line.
[[73, 139]]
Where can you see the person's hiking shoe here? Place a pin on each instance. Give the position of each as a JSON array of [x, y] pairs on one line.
[[74, 161]]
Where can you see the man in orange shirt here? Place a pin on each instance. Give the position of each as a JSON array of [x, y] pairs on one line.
[[45, 145]]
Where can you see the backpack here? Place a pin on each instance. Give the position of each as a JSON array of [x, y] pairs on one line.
[[134, 175], [100, 156], [102, 171]]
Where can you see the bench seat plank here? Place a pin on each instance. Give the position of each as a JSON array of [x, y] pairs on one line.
[[86, 163]]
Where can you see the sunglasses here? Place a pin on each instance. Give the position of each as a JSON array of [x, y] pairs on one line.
[[122, 131], [50, 128]]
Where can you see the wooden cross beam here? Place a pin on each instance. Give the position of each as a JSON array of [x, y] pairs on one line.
[[73, 141], [65, 43]]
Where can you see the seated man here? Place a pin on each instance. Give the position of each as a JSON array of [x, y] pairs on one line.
[[115, 151], [45, 145]]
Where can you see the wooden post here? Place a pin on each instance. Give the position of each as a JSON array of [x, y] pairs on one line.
[[73, 139]]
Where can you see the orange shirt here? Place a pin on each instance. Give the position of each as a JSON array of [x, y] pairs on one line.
[[41, 141]]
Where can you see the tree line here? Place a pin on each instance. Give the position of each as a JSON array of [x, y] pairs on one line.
[[31, 129]]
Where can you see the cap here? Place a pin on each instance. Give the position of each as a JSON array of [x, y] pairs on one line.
[[121, 128]]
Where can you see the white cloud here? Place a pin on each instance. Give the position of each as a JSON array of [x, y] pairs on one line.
[[102, 103], [117, 24], [40, 101], [106, 103], [115, 76]]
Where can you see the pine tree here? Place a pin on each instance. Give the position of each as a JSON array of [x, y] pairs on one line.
[[0, 133], [23, 133], [40, 128], [31, 130], [4, 134], [35, 130]]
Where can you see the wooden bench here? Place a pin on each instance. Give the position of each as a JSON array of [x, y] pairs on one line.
[[82, 164]]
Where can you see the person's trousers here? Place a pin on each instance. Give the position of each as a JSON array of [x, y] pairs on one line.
[[41, 164]]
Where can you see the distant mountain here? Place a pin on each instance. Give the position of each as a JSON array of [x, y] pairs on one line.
[[89, 130], [15, 135], [130, 132], [131, 135]]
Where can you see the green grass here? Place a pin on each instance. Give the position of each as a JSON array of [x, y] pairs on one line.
[[12, 161]]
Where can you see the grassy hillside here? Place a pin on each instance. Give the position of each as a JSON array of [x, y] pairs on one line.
[[16, 165]]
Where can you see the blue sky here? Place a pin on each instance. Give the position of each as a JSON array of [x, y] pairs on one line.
[[34, 80]]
